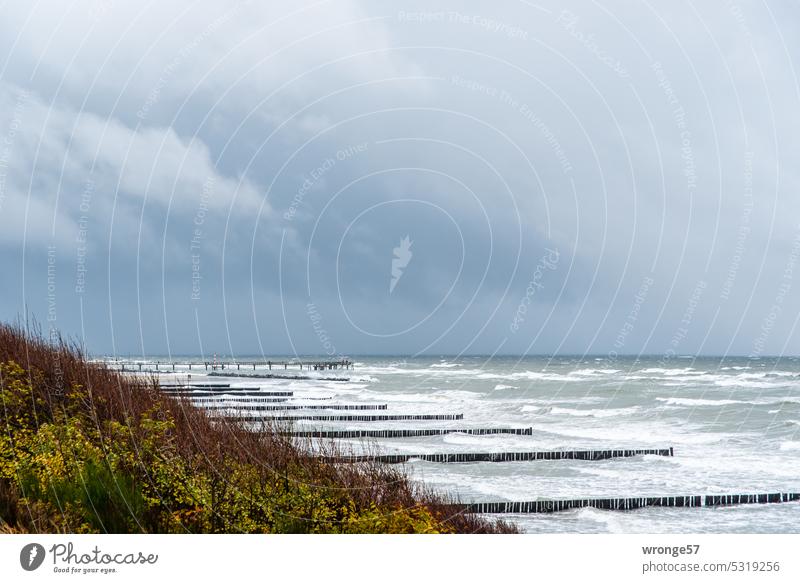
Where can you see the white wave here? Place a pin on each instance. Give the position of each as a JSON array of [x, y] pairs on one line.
[[346, 386], [637, 433], [445, 365], [701, 402], [432, 371], [531, 375], [594, 371], [608, 519], [504, 387], [568, 401], [439, 396], [744, 380], [490, 442], [702, 378], [535, 409], [670, 371], [744, 384], [724, 402], [790, 445], [550, 409], [594, 412], [388, 369]]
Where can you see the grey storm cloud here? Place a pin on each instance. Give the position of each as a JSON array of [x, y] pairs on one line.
[[574, 177]]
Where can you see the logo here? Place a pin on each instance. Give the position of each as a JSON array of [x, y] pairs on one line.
[[401, 259], [31, 556]]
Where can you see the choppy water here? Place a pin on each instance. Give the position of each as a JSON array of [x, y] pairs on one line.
[[734, 424]]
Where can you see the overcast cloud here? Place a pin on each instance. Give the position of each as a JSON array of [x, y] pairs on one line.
[[575, 177]]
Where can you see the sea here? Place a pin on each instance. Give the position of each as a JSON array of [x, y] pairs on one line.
[[733, 424]]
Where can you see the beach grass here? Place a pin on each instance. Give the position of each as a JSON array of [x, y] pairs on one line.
[[86, 449]]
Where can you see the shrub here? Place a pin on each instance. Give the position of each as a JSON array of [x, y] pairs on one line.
[[88, 449]]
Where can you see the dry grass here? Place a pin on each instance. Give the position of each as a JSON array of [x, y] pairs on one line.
[[56, 367]]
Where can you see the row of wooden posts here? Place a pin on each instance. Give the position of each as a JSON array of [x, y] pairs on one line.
[[250, 392], [363, 418], [395, 433], [540, 506], [246, 403], [508, 456], [339, 407]]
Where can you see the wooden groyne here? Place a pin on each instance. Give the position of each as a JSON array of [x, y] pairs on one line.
[[194, 386], [220, 394], [512, 456], [544, 506], [249, 391], [235, 391], [292, 407], [284, 377], [194, 401], [353, 418], [394, 433], [228, 401], [159, 365]]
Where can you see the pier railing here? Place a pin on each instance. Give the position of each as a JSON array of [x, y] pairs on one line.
[[162, 365]]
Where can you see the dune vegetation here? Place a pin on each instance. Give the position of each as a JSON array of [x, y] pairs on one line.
[[87, 449]]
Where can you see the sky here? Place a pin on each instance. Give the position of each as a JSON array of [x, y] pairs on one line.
[[348, 177]]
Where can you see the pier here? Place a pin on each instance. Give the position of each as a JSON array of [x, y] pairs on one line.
[[214, 365]]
